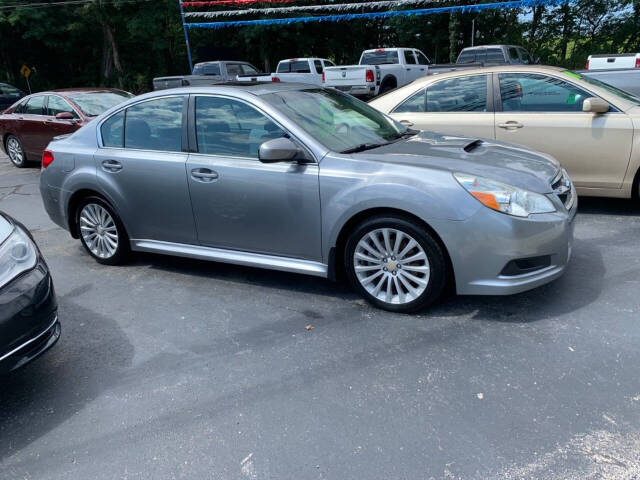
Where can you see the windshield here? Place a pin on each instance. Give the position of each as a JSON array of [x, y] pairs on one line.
[[94, 103], [605, 86], [338, 121], [379, 57]]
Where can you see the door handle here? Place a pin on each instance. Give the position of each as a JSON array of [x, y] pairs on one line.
[[111, 166], [408, 69], [204, 175], [407, 123], [510, 125]]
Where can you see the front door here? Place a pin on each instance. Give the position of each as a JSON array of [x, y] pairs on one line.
[[458, 105], [240, 203], [141, 167], [55, 126], [545, 113]]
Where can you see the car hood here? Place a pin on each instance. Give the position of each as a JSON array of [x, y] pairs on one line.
[[507, 163]]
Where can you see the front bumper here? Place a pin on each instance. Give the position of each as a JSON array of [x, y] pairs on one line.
[[482, 246], [28, 318]]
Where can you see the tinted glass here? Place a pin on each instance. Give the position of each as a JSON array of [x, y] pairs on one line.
[[415, 103], [379, 58], [463, 94], [207, 69], [284, 67], [513, 55], [300, 67], [58, 105], [526, 92], [468, 56], [526, 58], [327, 63], [248, 69], [494, 55], [232, 128], [409, 58], [422, 60], [34, 105], [6, 89], [155, 125], [93, 104], [233, 69], [318, 65], [112, 131], [338, 121]]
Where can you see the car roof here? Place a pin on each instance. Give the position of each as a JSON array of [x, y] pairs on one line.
[[71, 91], [496, 68], [254, 88]]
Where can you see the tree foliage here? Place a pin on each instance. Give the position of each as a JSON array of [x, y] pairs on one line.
[[126, 43]]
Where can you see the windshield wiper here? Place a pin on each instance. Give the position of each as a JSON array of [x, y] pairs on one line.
[[363, 146], [406, 133]]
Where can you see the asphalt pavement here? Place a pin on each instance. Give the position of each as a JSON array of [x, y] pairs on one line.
[[171, 368]]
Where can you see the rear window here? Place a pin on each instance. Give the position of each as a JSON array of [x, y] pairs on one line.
[[207, 69], [468, 56], [318, 65], [379, 57], [494, 55]]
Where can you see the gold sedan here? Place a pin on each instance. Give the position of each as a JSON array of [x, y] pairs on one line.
[[585, 124]]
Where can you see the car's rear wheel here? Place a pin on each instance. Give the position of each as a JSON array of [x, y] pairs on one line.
[[395, 263], [16, 152], [101, 232]]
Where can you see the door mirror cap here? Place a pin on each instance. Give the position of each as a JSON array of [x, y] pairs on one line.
[[64, 116], [279, 150], [595, 105]]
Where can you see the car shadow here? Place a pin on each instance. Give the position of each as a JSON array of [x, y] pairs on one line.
[[89, 357], [608, 206]]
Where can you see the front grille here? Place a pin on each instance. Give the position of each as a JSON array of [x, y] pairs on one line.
[[563, 188]]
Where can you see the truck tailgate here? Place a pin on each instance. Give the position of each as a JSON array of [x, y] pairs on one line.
[[160, 83], [350, 75]]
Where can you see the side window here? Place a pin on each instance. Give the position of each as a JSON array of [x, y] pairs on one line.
[[232, 128], [112, 131], [415, 103], [495, 55], [284, 67], [526, 58], [300, 67], [20, 108], [155, 125], [409, 58], [248, 69], [58, 105], [233, 69], [526, 92], [318, 65], [462, 94], [422, 59], [34, 105], [513, 55], [327, 63]]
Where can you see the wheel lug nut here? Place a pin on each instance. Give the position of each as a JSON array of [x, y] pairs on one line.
[[393, 259], [394, 272], [384, 268]]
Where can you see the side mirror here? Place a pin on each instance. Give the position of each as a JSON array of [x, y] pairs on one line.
[[64, 116], [279, 150], [595, 105]]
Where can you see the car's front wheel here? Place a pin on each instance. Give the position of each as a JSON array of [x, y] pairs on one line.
[[101, 232], [395, 263], [16, 152]]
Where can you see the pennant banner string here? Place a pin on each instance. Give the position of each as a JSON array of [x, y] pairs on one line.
[[213, 3], [373, 15], [341, 7]]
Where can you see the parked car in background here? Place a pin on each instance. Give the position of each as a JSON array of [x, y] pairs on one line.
[[379, 70], [620, 70], [28, 309], [208, 73], [298, 70], [613, 61], [484, 56], [9, 95], [310, 180], [589, 126], [28, 125]]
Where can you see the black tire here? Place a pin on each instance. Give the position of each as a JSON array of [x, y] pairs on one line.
[[122, 251], [386, 87], [19, 159], [438, 267]]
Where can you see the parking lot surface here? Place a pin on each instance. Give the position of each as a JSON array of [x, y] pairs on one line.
[[172, 368]]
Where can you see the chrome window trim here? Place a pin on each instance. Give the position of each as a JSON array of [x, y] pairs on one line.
[[259, 109]]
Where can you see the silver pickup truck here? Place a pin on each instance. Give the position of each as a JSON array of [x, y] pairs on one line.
[[208, 73]]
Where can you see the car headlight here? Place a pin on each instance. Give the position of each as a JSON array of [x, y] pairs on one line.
[[17, 255], [504, 198]]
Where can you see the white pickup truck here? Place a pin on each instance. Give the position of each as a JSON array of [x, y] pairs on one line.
[[379, 70], [299, 70], [608, 62]]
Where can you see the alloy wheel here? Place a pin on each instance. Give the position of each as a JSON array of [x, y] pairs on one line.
[[14, 149], [391, 266], [99, 231]]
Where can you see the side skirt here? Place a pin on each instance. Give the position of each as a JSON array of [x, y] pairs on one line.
[[232, 256]]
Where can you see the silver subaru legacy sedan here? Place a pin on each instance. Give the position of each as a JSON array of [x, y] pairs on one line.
[[310, 180]]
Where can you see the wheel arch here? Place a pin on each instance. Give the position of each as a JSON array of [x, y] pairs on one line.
[[74, 202], [390, 78], [336, 255], [635, 186]]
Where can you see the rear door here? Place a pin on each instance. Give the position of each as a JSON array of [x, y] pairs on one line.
[[141, 167], [545, 113], [32, 129], [411, 68], [459, 105]]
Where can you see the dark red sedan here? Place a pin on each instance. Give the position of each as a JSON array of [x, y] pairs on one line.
[[29, 125]]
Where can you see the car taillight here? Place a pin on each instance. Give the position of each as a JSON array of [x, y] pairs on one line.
[[586, 65], [323, 77], [369, 76], [637, 62], [275, 79], [47, 158]]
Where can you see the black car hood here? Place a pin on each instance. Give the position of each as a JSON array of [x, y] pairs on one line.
[[507, 163]]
